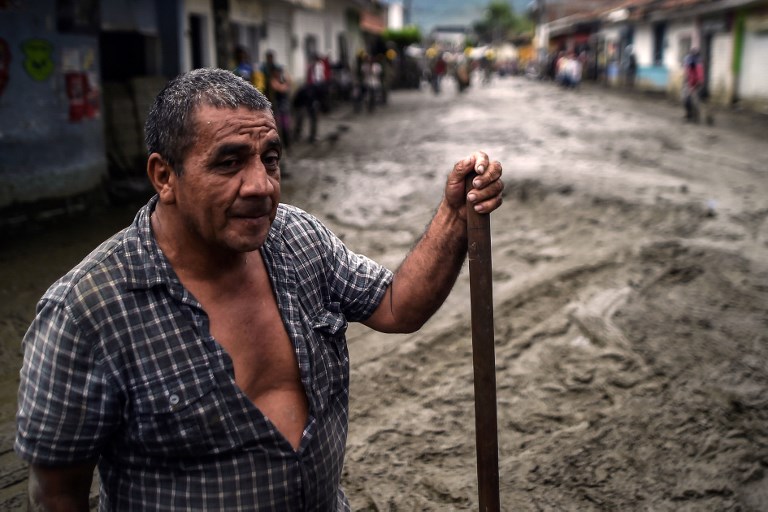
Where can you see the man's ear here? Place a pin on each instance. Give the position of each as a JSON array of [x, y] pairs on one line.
[[162, 177]]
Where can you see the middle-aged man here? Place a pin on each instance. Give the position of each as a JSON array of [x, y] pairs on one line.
[[198, 356]]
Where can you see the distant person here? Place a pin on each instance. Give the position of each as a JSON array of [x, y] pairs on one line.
[[278, 91], [694, 101], [569, 71], [245, 68], [438, 70], [309, 98], [631, 67], [198, 357], [371, 72]]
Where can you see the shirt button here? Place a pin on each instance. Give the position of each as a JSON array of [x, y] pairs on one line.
[[174, 399]]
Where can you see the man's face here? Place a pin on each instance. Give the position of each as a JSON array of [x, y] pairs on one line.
[[228, 193]]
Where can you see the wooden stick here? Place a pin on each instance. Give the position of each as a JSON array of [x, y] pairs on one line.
[[483, 355]]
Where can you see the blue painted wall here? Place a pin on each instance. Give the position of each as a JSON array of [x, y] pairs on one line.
[[653, 77], [51, 135]]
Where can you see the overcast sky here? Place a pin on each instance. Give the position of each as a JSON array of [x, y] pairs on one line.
[[428, 13]]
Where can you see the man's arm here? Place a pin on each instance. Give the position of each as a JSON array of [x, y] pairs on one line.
[[60, 488], [427, 275]]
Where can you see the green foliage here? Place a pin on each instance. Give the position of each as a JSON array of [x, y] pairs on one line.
[[500, 23], [403, 37]]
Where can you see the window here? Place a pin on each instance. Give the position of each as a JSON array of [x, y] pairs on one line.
[[659, 36]]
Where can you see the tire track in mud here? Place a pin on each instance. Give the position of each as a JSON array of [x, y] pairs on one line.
[[599, 404]]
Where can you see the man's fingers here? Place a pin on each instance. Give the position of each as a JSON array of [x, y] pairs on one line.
[[491, 175], [481, 162], [487, 199]]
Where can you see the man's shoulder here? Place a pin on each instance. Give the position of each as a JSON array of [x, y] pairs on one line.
[[102, 269], [292, 222]]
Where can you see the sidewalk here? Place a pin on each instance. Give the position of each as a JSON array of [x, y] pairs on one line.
[[744, 120]]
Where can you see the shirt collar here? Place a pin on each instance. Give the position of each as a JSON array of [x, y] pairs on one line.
[[147, 266]]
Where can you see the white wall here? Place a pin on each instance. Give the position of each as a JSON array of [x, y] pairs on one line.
[[753, 81], [643, 45], [202, 8], [308, 23], [673, 53], [279, 29], [720, 74], [335, 24]]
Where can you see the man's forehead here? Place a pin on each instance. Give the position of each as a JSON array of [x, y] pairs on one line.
[[209, 114]]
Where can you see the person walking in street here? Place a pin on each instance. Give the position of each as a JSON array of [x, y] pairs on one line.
[[198, 356], [278, 92], [310, 97], [693, 88], [630, 64], [371, 72], [245, 69]]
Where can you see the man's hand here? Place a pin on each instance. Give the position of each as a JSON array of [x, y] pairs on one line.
[[487, 185], [427, 274]]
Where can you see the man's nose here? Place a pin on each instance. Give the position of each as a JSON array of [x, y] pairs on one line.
[[256, 181]]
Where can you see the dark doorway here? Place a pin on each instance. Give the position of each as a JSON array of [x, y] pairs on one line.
[[196, 40]]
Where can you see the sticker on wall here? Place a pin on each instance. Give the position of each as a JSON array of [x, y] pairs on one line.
[[38, 58], [76, 85], [5, 63]]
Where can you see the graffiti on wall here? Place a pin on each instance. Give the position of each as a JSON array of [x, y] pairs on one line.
[[80, 83], [38, 58], [5, 63]]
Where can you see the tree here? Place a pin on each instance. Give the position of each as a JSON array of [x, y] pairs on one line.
[[403, 37], [407, 74], [501, 23]]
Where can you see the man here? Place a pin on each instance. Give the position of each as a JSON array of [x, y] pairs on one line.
[[244, 68], [198, 356], [278, 92], [311, 97], [693, 88]]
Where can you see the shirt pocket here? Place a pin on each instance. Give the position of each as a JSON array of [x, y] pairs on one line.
[[330, 355], [181, 414]]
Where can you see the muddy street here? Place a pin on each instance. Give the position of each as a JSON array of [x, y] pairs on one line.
[[630, 295]]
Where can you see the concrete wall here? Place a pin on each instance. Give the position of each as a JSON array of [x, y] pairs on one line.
[[753, 81], [203, 9], [643, 45], [720, 74], [278, 16], [51, 142], [310, 23], [681, 35]]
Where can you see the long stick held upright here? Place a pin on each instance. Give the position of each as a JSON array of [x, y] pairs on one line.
[[483, 355]]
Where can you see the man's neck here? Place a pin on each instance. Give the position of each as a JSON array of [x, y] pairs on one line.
[[189, 256]]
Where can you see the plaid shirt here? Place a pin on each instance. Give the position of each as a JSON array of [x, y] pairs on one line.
[[119, 366]]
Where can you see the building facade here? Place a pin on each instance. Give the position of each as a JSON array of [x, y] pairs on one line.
[[77, 78], [732, 36]]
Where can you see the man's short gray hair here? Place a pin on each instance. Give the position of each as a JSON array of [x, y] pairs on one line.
[[170, 127]]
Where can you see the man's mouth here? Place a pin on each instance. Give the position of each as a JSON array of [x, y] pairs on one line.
[[251, 211]]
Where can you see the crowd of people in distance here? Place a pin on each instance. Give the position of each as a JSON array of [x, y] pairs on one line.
[[298, 103], [566, 68]]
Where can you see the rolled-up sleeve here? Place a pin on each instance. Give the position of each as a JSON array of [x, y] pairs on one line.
[[65, 408]]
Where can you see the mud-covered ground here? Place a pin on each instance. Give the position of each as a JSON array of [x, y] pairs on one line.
[[630, 301]]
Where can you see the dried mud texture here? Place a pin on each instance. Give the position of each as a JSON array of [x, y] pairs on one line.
[[631, 376]]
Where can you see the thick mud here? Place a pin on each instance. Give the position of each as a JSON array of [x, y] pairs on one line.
[[630, 301]]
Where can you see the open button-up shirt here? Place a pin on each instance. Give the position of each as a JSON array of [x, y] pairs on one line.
[[120, 367]]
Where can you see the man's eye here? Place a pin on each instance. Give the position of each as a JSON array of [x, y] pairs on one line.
[[271, 160], [230, 163]]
